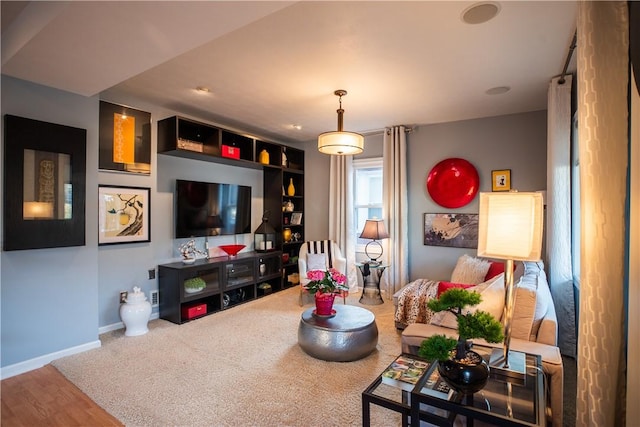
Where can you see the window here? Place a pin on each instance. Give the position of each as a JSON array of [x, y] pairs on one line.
[[367, 195]]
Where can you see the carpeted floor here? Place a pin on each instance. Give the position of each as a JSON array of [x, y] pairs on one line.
[[240, 366]]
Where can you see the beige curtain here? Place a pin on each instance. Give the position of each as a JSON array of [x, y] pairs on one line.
[[395, 208], [558, 226], [341, 212], [603, 43]]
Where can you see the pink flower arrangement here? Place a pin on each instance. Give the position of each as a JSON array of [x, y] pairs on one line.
[[326, 282]]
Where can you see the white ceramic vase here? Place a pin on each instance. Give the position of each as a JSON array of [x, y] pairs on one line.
[[135, 313]]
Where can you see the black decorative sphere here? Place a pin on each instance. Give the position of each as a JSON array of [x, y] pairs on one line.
[[465, 377]]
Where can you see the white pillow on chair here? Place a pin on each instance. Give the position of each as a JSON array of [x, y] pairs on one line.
[[316, 262]]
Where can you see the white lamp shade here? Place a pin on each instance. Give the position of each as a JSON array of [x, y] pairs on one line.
[[510, 226], [340, 143]]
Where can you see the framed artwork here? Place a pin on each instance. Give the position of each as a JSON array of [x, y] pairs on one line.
[[123, 215], [296, 218], [455, 230], [501, 180], [124, 139], [45, 180]]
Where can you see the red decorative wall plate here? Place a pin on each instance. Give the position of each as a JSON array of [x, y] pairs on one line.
[[453, 183]]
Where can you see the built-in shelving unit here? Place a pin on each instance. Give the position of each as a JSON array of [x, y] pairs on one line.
[[182, 137]]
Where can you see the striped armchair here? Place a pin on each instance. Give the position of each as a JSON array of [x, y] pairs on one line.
[[320, 255]]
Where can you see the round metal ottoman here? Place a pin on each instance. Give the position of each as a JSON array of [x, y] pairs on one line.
[[350, 335]]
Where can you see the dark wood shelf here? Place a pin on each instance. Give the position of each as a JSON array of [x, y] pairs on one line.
[[230, 281]]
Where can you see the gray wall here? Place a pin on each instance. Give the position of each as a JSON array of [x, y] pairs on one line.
[[516, 142], [49, 297]]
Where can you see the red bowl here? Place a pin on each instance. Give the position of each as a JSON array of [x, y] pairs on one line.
[[232, 250]]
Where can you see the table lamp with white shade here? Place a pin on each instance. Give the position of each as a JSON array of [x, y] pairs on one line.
[[510, 228]]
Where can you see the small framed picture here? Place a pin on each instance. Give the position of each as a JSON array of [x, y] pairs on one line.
[[296, 218], [123, 215], [501, 180]]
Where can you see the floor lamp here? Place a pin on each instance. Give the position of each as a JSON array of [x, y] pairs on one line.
[[510, 228]]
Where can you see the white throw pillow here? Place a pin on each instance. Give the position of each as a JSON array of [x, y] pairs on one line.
[[316, 262], [492, 292], [470, 270]]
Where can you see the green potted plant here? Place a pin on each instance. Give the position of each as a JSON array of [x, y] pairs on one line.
[[463, 369], [193, 285]]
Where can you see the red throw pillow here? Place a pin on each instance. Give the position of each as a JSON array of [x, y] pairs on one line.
[[443, 286], [496, 268]]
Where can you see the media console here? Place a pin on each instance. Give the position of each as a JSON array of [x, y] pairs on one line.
[[226, 282]]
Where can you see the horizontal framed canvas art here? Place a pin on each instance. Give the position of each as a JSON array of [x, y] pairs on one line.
[[123, 215], [455, 230]]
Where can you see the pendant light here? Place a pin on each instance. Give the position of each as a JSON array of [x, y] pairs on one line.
[[340, 142]]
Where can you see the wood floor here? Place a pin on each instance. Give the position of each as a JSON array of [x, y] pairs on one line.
[[44, 397]]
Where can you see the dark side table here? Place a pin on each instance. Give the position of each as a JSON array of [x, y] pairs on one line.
[[371, 276]]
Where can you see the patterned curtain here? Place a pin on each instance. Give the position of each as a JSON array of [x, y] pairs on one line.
[[603, 67], [341, 212], [558, 226], [395, 206]]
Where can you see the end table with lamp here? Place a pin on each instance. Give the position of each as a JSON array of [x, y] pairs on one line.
[[372, 269]]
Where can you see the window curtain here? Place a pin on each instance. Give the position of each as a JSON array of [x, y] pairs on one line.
[[341, 213], [559, 211], [395, 207], [603, 66]]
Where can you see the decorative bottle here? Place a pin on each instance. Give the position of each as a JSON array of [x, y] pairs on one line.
[[291, 191], [264, 157], [135, 313]]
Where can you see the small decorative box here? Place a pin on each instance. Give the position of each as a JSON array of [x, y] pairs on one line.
[[231, 152], [194, 311]]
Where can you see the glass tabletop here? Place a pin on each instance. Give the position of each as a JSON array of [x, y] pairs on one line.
[[502, 401], [362, 264]]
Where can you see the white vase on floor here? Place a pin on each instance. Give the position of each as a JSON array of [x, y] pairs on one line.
[[135, 313]]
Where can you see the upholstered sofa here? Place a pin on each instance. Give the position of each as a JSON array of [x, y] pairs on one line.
[[534, 325]]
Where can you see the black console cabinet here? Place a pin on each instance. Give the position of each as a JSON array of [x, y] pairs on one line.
[[228, 282]]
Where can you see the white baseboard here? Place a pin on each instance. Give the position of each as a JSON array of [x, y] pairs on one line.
[[120, 325], [38, 362]]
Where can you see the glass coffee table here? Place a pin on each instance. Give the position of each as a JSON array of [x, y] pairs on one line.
[[503, 401]]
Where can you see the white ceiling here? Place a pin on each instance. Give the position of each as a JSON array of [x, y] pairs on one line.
[[272, 64]]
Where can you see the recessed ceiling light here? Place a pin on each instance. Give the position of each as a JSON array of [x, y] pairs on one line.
[[479, 13], [498, 90], [297, 127]]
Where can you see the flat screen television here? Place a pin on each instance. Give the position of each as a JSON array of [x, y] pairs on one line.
[[212, 209]]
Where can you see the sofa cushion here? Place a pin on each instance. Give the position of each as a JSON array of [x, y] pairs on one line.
[[443, 286], [492, 292], [523, 311], [470, 270]]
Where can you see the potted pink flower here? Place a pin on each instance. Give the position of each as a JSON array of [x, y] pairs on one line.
[[325, 284]]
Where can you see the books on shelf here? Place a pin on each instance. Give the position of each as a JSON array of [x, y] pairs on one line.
[[404, 372]]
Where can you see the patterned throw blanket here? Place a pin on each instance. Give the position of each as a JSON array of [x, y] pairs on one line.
[[412, 302]]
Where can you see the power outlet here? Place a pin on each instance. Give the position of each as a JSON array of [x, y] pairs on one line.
[[123, 297], [152, 274]]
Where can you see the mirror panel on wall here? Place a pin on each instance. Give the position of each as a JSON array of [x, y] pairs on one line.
[[44, 180]]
